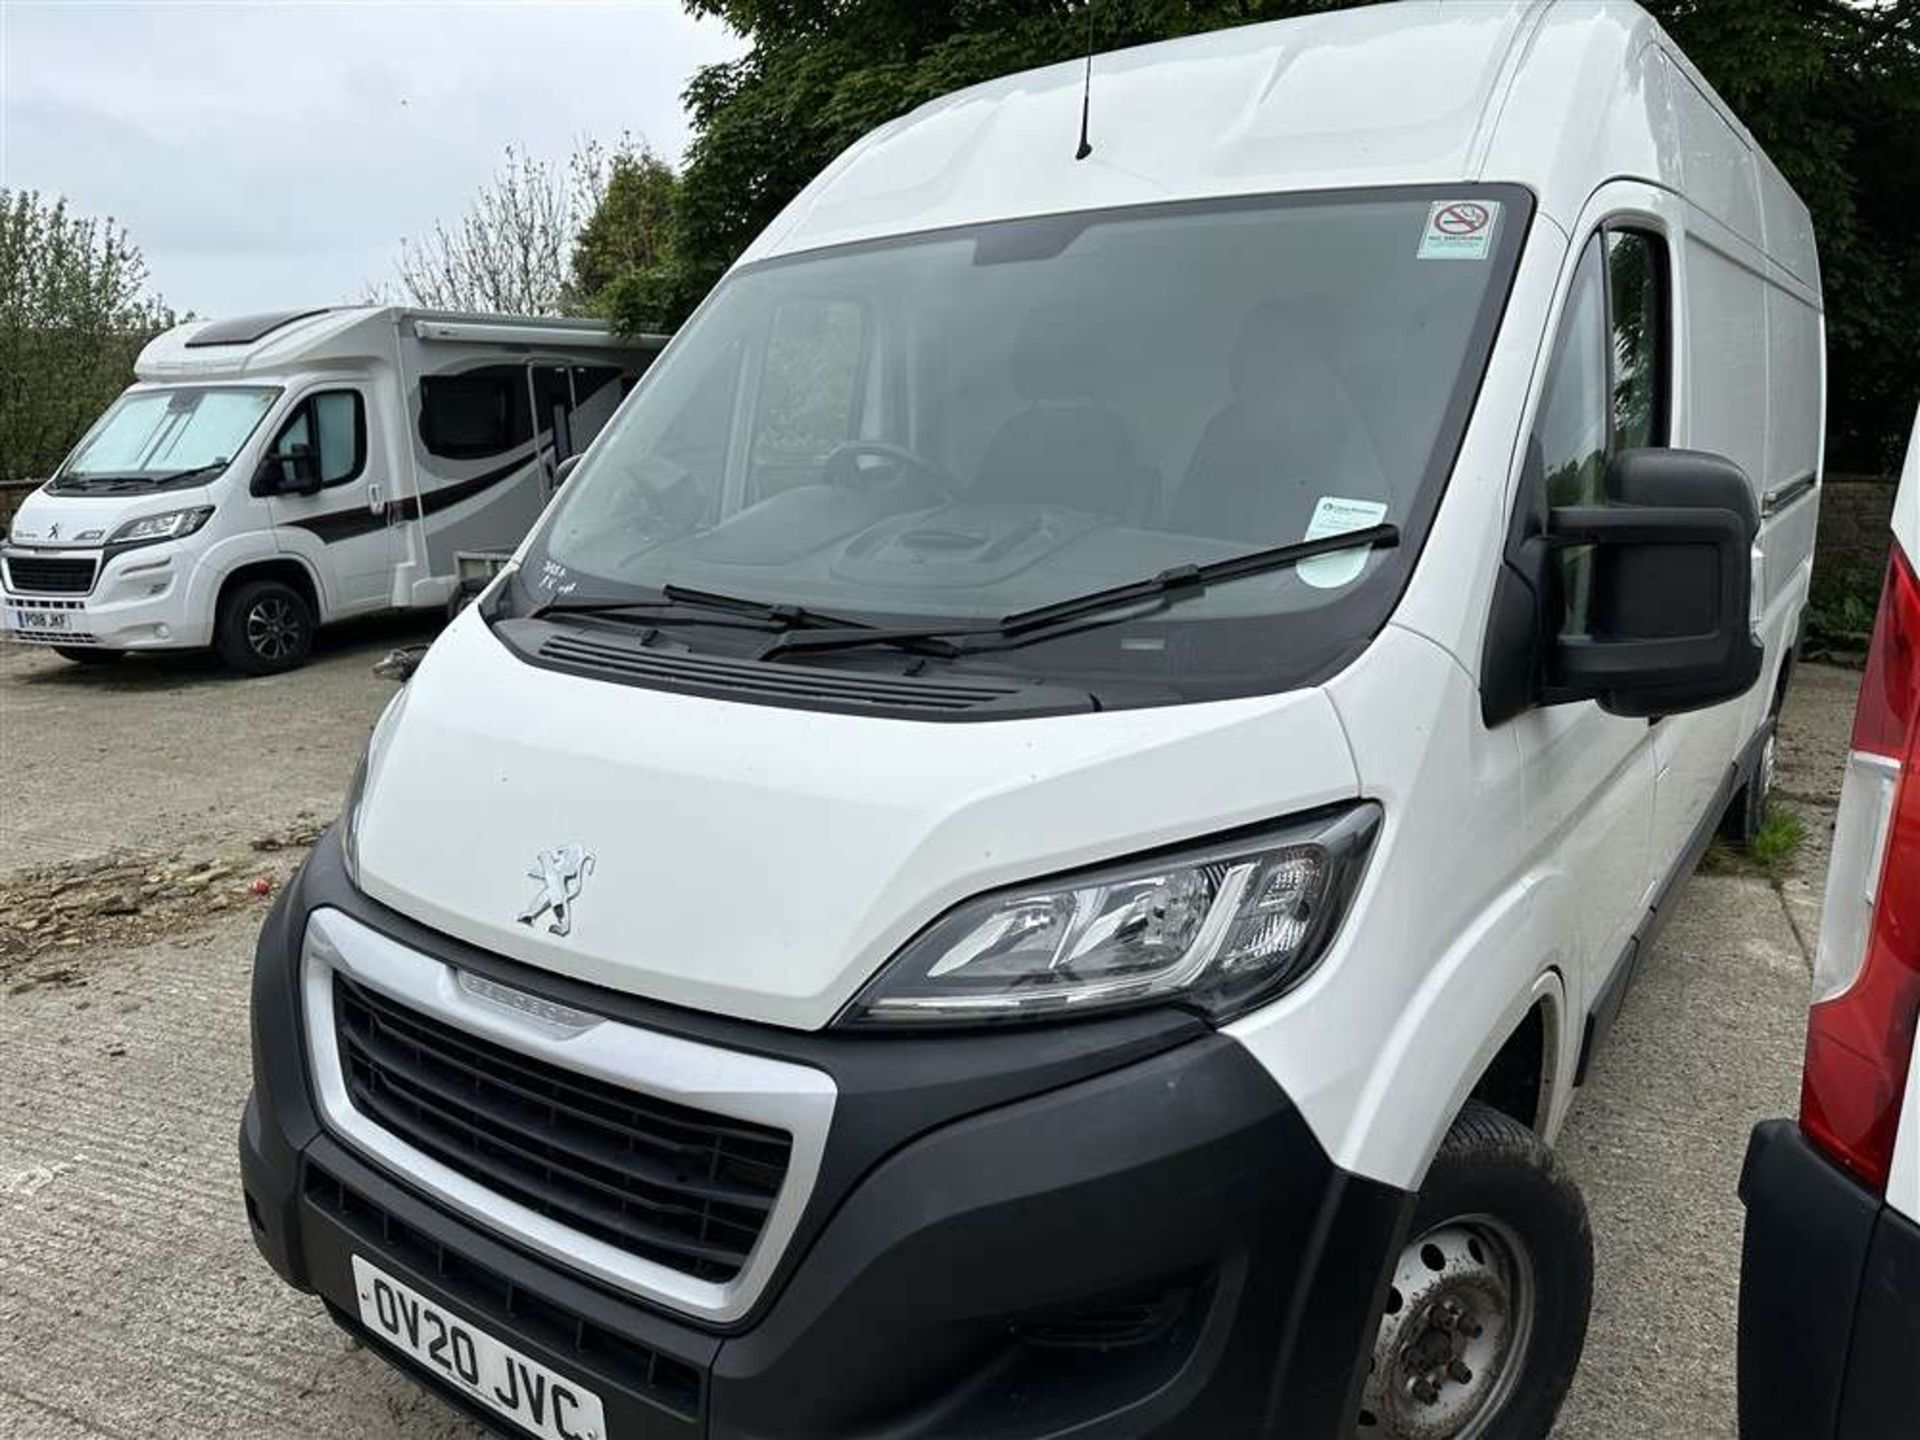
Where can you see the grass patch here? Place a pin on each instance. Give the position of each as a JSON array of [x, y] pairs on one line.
[[1781, 835], [1772, 853]]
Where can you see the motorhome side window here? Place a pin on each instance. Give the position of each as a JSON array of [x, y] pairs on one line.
[[1606, 387], [499, 408], [475, 415], [331, 427]]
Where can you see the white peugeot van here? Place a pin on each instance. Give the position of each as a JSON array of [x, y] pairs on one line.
[[266, 474], [1038, 841]]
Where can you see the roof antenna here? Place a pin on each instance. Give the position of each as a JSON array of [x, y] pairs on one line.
[[1086, 91]]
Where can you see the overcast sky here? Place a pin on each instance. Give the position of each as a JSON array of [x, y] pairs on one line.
[[272, 156]]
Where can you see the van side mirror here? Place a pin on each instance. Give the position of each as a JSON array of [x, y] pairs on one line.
[[1668, 627], [292, 471]]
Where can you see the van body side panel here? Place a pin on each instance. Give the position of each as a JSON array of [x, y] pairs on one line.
[[1789, 489], [1721, 311], [1596, 71], [1447, 936], [1717, 168]]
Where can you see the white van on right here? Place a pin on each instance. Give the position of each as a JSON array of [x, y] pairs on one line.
[[1830, 1278]]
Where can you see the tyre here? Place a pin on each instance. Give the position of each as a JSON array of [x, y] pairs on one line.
[[1487, 1311], [89, 655], [264, 627], [1747, 811]]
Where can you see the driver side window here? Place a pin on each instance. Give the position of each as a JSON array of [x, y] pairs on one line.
[[1606, 387], [325, 439]]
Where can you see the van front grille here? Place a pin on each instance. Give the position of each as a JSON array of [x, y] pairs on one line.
[[685, 1188], [50, 574]]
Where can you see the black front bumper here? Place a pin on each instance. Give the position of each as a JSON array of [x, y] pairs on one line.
[[1829, 1301], [1119, 1227]]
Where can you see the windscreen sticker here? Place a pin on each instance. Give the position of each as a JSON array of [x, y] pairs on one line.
[[1459, 229], [1335, 515]]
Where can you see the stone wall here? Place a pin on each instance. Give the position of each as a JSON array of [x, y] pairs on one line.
[[1855, 513]]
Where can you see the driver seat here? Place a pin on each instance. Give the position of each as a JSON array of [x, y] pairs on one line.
[[1065, 448]]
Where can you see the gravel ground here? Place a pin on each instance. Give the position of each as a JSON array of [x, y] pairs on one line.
[[162, 752], [131, 1301]]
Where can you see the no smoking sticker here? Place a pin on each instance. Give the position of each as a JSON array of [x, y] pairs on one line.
[[1459, 229]]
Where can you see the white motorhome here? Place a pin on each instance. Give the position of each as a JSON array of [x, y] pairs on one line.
[[1041, 838], [267, 474]]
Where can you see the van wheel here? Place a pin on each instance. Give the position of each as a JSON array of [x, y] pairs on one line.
[[89, 655], [1487, 1311], [264, 627], [1747, 812]]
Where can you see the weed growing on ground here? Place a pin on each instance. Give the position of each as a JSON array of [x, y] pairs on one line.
[[1781, 835]]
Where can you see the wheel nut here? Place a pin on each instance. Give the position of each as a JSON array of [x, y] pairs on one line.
[[1425, 1391], [1458, 1371], [1469, 1327]]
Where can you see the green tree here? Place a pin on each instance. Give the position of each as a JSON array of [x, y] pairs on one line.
[[623, 259], [1830, 87], [74, 312]]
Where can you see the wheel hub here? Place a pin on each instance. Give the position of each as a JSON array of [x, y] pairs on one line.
[[1453, 1337], [273, 630]]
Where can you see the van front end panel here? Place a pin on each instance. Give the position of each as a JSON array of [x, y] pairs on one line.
[[1124, 1221]]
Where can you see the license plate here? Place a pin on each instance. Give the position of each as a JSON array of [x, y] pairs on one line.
[[498, 1376], [50, 622]]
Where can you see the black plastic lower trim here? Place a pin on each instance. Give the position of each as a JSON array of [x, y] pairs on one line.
[[1829, 1343]]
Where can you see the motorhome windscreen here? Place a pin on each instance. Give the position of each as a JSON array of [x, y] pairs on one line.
[[972, 422], [152, 437]]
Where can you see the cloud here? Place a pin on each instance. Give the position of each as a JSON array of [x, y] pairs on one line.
[[269, 156]]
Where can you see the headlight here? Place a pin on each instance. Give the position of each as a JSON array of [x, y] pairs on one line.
[[1219, 926], [350, 821], [169, 526]]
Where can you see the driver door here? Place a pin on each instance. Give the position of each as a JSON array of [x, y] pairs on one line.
[[327, 492]]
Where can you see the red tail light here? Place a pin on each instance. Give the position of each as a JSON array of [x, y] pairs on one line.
[[1860, 1031]]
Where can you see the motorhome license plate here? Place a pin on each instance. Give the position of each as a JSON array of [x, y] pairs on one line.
[[498, 1376], [52, 622]]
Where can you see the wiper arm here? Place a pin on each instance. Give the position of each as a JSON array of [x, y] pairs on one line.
[[1184, 580], [1178, 583], [770, 616], [788, 617], [213, 467]]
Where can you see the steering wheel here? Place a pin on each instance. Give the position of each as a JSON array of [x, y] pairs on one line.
[[839, 468]]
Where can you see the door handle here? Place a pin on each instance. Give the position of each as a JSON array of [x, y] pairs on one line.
[[375, 501]]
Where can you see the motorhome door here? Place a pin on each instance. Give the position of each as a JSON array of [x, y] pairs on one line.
[[327, 490], [572, 404]]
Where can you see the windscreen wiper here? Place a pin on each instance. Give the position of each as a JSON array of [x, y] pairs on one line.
[[766, 614], [1178, 583], [212, 467]]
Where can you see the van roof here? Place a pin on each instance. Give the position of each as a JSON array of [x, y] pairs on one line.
[[1554, 96], [350, 335]]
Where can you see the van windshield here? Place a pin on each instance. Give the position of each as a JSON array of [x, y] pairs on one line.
[[969, 423], [157, 437]]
